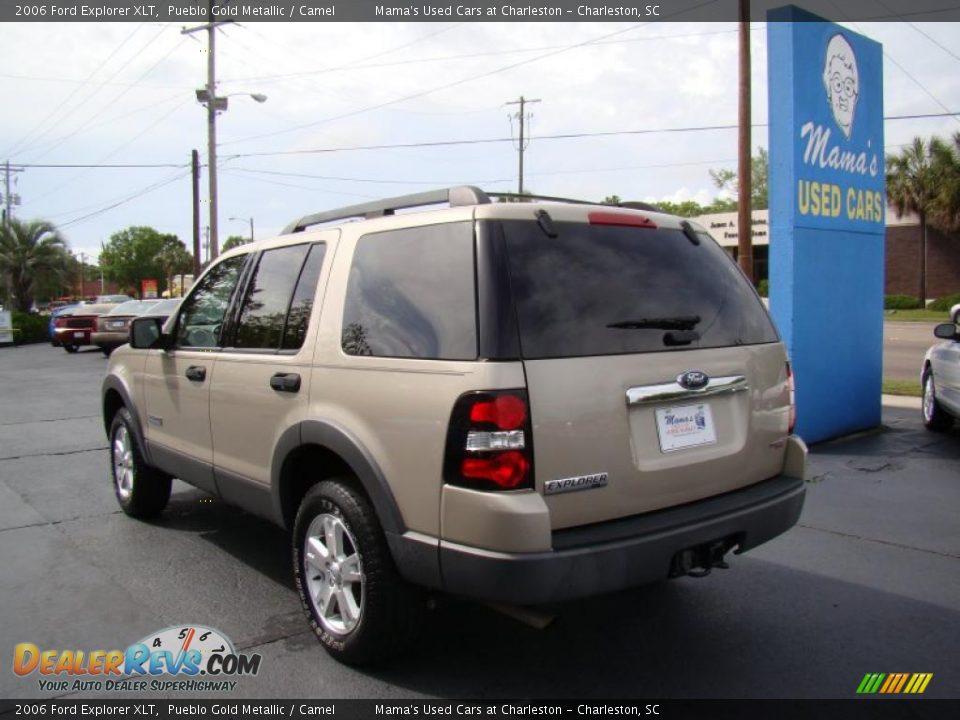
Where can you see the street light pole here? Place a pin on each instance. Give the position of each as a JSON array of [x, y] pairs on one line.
[[212, 134], [208, 96], [240, 219]]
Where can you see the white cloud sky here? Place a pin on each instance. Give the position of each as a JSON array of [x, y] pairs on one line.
[[124, 93]]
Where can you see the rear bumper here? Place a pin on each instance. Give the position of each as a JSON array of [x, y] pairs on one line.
[[69, 336], [624, 553], [108, 339]]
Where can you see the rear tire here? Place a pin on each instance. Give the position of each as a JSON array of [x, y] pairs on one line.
[[71, 348], [357, 604], [934, 417], [141, 490]]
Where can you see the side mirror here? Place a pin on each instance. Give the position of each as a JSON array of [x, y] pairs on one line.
[[946, 331], [147, 334]]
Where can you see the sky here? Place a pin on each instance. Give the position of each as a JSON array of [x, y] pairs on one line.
[[124, 94]]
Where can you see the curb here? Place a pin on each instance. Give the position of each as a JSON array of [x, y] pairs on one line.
[[900, 401]]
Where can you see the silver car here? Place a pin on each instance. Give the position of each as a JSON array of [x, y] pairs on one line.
[[941, 379]]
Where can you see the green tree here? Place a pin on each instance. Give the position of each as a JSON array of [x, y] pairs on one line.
[[912, 186], [136, 254], [946, 162], [30, 253], [726, 179], [686, 208], [612, 200], [174, 258], [234, 241]]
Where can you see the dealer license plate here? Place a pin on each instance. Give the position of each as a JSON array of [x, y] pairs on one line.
[[685, 426]]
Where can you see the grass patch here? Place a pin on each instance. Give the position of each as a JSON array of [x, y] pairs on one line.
[[910, 388], [916, 316]]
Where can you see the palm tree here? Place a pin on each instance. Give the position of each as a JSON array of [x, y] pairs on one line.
[[28, 251], [912, 187], [946, 160]]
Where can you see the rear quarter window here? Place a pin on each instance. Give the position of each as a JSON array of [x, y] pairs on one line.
[[411, 294], [570, 290]]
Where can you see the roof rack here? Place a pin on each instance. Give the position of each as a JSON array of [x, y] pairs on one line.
[[626, 204], [523, 197], [455, 196]]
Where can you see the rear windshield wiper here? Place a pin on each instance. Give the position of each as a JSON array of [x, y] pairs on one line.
[[683, 322]]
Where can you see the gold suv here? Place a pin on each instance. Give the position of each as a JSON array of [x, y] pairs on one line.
[[522, 402]]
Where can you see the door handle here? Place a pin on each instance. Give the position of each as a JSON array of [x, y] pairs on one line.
[[285, 382], [197, 373]]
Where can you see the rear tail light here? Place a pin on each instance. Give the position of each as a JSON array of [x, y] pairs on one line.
[[793, 398], [489, 442]]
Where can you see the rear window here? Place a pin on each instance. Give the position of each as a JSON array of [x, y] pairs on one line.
[[607, 290]]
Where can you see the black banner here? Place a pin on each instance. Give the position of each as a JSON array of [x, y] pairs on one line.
[[367, 709], [202, 11]]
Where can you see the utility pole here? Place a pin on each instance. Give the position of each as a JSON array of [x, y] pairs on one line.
[[83, 272], [208, 96], [521, 115], [195, 171], [744, 162]]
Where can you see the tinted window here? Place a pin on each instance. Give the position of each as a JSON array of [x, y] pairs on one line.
[[411, 294], [201, 319], [264, 311], [603, 290], [302, 302]]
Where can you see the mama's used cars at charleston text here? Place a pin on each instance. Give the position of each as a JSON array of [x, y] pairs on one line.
[[524, 402]]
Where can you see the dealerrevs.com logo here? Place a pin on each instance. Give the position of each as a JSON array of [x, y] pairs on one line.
[[190, 657]]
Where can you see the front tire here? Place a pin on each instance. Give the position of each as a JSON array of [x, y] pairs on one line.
[[141, 490], [357, 604], [70, 348], [934, 417]]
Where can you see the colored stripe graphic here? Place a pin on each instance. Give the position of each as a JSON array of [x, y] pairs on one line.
[[894, 683]]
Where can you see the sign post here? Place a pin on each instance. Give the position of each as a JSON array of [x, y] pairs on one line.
[[827, 217]]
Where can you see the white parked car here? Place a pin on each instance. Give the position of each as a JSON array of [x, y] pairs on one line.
[[955, 314], [941, 379]]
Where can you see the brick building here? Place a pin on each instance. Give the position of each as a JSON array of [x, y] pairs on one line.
[[902, 260]]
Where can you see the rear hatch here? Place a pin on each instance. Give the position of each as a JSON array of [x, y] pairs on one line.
[[654, 373]]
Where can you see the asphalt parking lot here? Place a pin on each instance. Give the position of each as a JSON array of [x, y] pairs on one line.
[[868, 582]]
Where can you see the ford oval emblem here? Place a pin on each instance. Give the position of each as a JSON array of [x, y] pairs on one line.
[[693, 380]]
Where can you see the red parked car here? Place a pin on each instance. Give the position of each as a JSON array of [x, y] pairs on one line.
[[72, 330]]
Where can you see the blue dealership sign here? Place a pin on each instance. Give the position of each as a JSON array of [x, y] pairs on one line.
[[827, 217]]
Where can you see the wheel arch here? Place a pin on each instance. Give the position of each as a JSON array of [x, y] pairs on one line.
[[115, 396], [314, 450]]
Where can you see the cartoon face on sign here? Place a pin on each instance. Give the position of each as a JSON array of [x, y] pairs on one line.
[[842, 81]]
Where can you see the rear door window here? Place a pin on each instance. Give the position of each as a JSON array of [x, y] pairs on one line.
[[604, 290], [279, 298]]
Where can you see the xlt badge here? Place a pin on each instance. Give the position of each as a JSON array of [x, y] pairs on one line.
[[572, 484]]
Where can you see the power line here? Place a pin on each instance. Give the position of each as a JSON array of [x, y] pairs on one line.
[[52, 113], [557, 136], [135, 196], [926, 35], [114, 99], [101, 165], [446, 86], [114, 151], [466, 56]]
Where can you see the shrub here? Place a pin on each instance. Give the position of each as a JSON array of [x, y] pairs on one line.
[[900, 302], [945, 303], [29, 328], [763, 288]]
